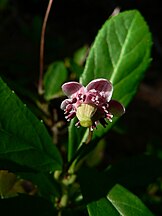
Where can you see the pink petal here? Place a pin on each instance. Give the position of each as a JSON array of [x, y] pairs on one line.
[[100, 85], [116, 108], [70, 88], [64, 104]]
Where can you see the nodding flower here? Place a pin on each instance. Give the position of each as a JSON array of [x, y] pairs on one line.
[[91, 104]]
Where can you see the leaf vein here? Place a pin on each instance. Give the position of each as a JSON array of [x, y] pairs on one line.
[[122, 50]]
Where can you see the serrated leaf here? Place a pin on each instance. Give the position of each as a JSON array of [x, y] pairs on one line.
[[119, 201], [121, 54], [23, 138], [55, 76]]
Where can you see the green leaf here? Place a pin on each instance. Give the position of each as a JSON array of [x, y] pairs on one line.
[[55, 76], [121, 49], [7, 181], [23, 138], [80, 55], [121, 54], [119, 201], [102, 207]]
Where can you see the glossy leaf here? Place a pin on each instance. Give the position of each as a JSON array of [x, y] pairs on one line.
[[23, 138], [102, 207], [121, 54], [55, 76], [119, 201]]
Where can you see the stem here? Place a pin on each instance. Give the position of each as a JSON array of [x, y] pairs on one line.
[[81, 149], [40, 82], [89, 136]]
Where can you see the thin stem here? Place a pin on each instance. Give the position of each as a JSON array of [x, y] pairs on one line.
[[81, 149], [40, 82], [89, 138]]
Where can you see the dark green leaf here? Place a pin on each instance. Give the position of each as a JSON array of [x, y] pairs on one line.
[[119, 201], [75, 69], [121, 54], [23, 138], [55, 76], [80, 55], [102, 207]]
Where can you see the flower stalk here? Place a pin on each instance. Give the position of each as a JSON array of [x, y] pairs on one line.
[[40, 81]]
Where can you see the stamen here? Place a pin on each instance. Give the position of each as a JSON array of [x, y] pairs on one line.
[[74, 100], [77, 124], [93, 90], [70, 116], [109, 117], [105, 109], [68, 108], [93, 99], [84, 97]]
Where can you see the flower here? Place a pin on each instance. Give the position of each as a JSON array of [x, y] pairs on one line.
[[91, 104]]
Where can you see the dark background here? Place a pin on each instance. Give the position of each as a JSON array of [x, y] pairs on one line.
[[71, 25]]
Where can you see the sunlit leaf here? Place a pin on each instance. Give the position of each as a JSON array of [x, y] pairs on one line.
[[119, 201]]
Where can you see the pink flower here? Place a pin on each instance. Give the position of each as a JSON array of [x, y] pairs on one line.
[[91, 104]]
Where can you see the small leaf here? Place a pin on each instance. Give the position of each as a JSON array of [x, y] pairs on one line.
[[23, 138], [11, 186], [7, 180], [119, 201], [80, 55], [55, 76]]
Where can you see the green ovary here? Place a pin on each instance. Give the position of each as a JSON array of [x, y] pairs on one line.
[[84, 113]]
